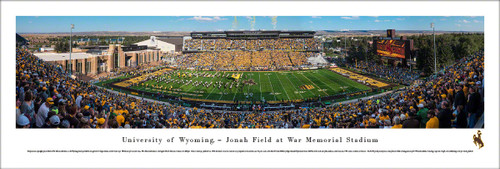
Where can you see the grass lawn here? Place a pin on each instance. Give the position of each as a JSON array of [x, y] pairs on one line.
[[271, 86], [102, 83]]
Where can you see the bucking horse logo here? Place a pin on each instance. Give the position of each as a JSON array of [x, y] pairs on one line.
[[477, 139]]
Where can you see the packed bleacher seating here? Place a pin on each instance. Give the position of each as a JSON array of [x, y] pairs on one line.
[[392, 73], [294, 44], [395, 74], [261, 54], [47, 98], [240, 60]]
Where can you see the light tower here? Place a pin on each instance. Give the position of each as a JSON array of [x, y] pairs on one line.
[[70, 47]]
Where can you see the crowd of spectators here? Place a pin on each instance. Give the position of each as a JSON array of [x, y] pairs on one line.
[[261, 54], [395, 74], [294, 44], [241, 60], [47, 98]]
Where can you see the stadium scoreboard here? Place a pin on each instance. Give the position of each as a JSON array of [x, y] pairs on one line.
[[393, 47]]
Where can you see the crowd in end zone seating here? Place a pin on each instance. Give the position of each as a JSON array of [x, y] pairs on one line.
[[395, 74], [401, 75], [47, 98]]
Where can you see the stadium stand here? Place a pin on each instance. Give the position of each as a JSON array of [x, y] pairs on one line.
[[400, 75], [48, 98], [241, 51]]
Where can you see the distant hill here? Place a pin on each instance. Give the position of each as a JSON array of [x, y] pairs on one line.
[[116, 33], [383, 32]]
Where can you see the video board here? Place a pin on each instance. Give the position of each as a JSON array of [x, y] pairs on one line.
[[391, 48]]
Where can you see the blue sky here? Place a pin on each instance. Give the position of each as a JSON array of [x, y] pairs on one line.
[[47, 24]]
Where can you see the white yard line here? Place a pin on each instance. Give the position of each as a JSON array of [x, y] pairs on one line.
[[234, 97], [180, 85], [282, 86], [248, 91], [294, 86], [196, 78], [272, 88], [326, 84], [314, 83], [222, 93], [212, 89], [303, 82], [260, 85]]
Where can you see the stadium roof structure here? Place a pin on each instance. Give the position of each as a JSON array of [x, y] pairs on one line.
[[63, 56], [257, 34], [139, 51], [21, 40], [176, 41], [164, 44]]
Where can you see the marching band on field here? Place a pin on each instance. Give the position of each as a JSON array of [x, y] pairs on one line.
[[169, 79]]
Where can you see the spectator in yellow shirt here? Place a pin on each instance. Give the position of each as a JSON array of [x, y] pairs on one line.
[[433, 120], [397, 124]]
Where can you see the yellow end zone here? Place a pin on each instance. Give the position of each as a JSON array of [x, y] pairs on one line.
[[137, 79], [356, 77]]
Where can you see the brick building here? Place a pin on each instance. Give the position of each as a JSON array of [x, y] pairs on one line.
[[100, 59]]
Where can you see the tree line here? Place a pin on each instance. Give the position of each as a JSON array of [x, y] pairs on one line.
[[449, 48], [62, 43]]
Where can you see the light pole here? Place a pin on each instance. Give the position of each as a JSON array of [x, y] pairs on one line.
[[70, 46], [435, 60], [345, 42]]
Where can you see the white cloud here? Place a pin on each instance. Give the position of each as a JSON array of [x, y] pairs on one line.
[[376, 20], [310, 21], [219, 18], [248, 17], [350, 17], [464, 21], [458, 25], [475, 21], [212, 19], [316, 17]]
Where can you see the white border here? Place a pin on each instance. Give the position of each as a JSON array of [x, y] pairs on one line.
[[16, 142]]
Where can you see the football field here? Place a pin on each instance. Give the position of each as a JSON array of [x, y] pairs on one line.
[[251, 86]]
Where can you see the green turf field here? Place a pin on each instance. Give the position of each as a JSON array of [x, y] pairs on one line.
[[270, 86]]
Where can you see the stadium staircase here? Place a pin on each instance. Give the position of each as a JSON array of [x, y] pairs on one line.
[[480, 122]]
